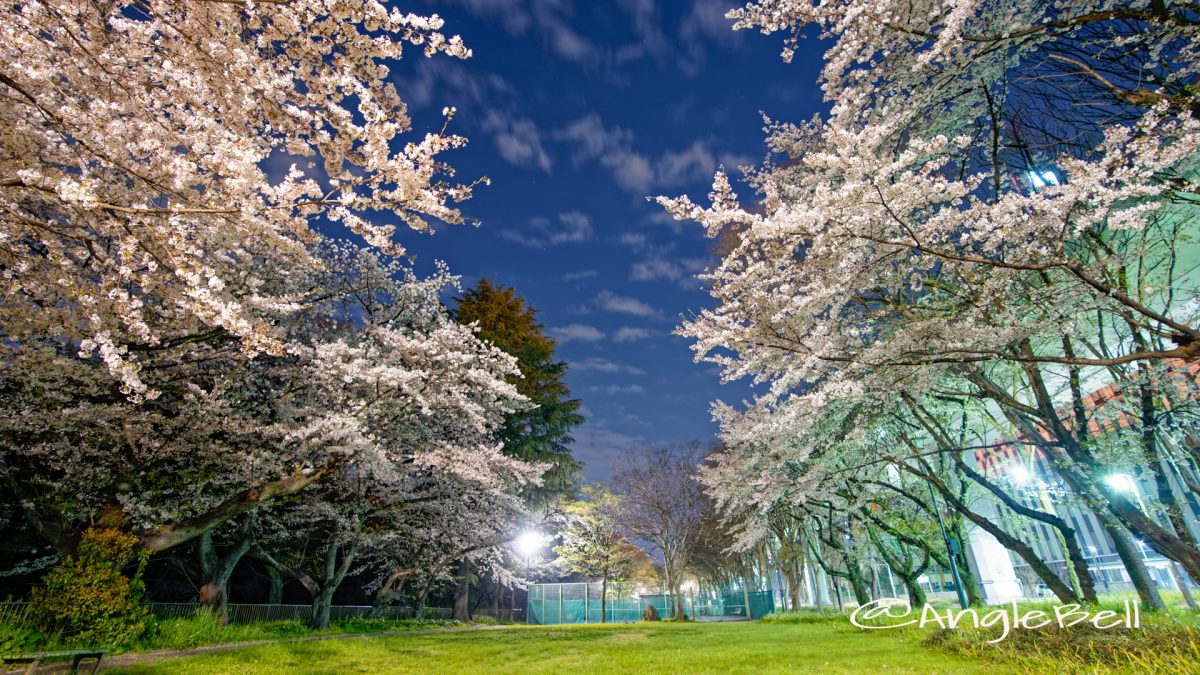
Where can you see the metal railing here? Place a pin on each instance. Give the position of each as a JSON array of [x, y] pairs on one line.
[[16, 613]]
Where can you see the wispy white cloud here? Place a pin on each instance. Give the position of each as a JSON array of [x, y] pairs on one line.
[[667, 220], [550, 20], [599, 365], [694, 164], [703, 25], [630, 334], [580, 275], [576, 332], [634, 240], [615, 389], [646, 20], [633, 171], [438, 83], [611, 302], [681, 271], [518, 140], [655, 268], [596, 445], [572, 227], [733, 161]]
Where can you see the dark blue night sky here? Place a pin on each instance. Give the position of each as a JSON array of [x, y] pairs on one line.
[[578, 112]]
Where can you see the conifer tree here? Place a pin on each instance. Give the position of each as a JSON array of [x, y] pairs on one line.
[[542, 433]]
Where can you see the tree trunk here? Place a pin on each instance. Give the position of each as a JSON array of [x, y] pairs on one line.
[[965, 572], [217, 569], [335, 573], [275, 594], [419, 601], [746, 596], [321, 606], [916, 594], [390, 591], [1183, 587], [670, 579], [1088, 480], [462, 592], [496, 591], [603, 599], [169, 536], [795, 583], [1077, 569], [814, 584], [861, 595], [1131, 556], [1056, 585]]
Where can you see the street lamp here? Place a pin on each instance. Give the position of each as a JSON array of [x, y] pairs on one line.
[[952, 550], [1121, 482], [1018, 473], [528, 543]]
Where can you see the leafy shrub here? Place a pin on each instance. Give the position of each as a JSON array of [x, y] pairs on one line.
[[86, 599], [487, 621], [650, 614], [18, 639], [365, 625]]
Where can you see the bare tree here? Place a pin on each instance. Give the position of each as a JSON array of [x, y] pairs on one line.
[[663, 504]]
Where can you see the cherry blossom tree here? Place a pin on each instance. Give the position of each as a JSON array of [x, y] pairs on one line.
[[953, 219], [179, 347], [378, 376], [156, 151]]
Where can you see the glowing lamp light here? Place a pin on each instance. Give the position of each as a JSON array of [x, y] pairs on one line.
[[1121, 482], [1018, 473], [529, 543]]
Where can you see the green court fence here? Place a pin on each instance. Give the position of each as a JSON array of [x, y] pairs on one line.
[[732, 604], [580, 603]]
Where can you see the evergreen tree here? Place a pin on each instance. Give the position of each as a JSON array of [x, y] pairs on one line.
[[543, 433]]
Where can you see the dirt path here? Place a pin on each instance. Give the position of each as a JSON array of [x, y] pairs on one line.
[[138, 658]]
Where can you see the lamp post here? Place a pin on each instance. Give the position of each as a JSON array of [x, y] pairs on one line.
[[528, 544], [951, 549]]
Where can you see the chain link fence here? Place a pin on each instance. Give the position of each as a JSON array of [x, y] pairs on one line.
[[572, 603]]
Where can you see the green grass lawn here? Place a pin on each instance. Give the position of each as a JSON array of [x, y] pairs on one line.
[[630, 648]]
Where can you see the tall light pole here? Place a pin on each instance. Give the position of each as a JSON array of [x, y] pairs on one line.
[[527, 544], [951, 549]]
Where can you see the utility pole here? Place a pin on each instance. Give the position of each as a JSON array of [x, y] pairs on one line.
[[951, 549]]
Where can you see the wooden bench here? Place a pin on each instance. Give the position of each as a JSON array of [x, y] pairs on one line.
[[76, 655]]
